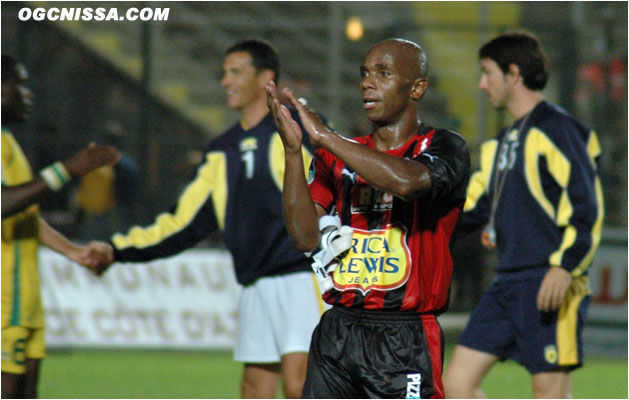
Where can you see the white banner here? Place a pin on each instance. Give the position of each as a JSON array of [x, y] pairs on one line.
[[190, 301], [186, 301]]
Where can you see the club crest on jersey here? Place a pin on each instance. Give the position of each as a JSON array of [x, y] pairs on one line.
[[369, 199], [248, 144], [378, 260]]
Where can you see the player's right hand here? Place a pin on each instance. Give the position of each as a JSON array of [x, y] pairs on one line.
[[91, 157]]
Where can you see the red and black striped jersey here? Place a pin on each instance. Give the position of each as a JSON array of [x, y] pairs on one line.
[[400, 255]]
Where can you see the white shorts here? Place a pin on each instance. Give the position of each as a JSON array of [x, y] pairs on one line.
[[276, 316]]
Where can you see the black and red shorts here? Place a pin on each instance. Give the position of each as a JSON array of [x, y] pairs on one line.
[[358, 353]]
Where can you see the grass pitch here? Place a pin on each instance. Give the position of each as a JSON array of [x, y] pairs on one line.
[[107, 374]]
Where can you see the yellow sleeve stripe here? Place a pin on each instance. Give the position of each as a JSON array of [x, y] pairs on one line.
[[538, 144], [593, 148], [597, 230], [479, 181], [277, 158], [210, 178], [569, 237], [216, 174]]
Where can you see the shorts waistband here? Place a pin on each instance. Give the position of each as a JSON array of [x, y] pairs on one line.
[[360, 314]]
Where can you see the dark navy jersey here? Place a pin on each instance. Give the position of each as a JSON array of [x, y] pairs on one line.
[[400, 259], [237, 190], [550, 209]]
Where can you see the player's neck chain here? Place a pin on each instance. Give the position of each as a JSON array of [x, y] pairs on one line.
[[503, 164]]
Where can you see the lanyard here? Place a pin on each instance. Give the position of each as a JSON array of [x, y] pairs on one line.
[[489, 233]]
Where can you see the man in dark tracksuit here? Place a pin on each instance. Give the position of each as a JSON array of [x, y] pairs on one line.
[[539, 197]]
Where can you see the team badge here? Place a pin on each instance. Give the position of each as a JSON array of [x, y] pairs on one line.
[[513, 135], [550, 354]]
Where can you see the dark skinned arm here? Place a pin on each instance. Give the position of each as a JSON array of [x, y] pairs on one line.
[[405, 179], [17, 198], [301, 215]]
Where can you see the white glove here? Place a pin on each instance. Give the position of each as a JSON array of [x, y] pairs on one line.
[[335, 240]]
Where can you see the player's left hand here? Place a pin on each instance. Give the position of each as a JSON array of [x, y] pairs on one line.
[[289, 130], [553, 289], [311, 121]]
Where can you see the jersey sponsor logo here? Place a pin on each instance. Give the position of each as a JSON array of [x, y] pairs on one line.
[[248, 144], [351, 175], [378, 260], [430, 156], [424, 145], [413, 386], [368, 199]]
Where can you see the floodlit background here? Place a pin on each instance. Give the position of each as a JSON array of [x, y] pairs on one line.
[[156, 86]]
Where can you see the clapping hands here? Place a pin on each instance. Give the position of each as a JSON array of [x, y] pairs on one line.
[[289, 130]]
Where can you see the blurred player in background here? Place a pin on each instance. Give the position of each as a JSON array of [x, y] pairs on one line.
[[106, 196], [401, 188], [539, 196], [23, 230], [237, 190]]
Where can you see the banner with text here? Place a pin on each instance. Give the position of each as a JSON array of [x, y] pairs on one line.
[[186, 301], [190, 301]]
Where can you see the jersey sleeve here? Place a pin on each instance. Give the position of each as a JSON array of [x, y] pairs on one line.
[[320, 180], [200, 210], [448, 159], [477, 207], [571, 162]]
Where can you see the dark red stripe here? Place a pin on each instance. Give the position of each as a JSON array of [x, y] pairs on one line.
[[432, 333]]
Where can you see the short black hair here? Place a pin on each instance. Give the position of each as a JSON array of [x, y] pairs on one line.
[[9, 65], [263, 55], [522, 49]]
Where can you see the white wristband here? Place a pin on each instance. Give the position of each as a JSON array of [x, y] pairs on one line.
[[55, 175]]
